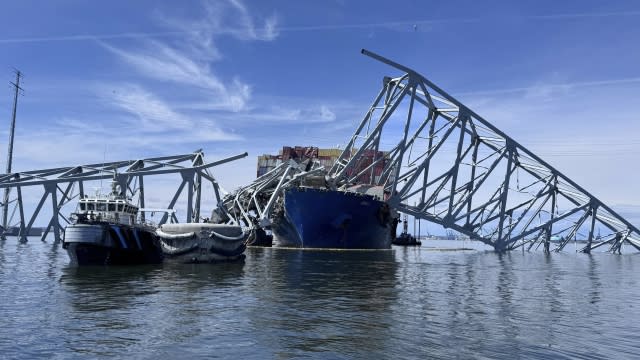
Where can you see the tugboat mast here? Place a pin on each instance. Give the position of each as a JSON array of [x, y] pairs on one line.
[[5, 201]]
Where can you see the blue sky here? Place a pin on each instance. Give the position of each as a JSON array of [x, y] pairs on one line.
[[122, 80]]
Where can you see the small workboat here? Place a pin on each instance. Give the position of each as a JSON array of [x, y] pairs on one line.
[[406, 239]]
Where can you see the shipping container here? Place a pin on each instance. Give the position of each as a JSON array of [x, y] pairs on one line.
[[326, 158]]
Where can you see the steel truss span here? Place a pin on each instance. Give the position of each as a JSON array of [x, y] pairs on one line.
[[64, 184], [448, 165]]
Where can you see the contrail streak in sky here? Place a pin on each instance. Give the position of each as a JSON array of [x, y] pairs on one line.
[[410, 24]]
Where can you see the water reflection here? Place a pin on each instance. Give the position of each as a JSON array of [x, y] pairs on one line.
[[2, 259], [323, 300], [405, 303], [594, 277], [199, 277], [99, 288], [143, 303]]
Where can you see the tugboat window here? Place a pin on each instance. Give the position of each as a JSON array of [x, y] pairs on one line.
[[82, 207], [101, 207], [120, 207], [90, 207], [112, 207]]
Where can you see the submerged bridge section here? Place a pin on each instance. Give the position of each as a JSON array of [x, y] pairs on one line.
[[450, 166], [61, 186]]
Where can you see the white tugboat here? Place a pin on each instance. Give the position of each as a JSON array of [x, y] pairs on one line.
[[105, 231]]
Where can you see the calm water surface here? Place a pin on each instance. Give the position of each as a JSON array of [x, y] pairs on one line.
[[405, 303]]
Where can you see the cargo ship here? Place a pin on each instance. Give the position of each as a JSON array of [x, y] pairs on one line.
[[310, 217], [105, 231]]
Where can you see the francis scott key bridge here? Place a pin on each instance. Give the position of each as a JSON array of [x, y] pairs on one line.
[[444, 163]]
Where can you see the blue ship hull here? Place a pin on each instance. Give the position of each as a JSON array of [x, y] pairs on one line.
[[318, 218]]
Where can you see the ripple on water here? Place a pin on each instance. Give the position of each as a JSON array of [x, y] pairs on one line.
[[405, 303]]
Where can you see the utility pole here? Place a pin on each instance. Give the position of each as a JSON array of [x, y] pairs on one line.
[[5, 202]]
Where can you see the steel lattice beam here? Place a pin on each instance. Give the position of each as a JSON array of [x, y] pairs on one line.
[[191, 167]]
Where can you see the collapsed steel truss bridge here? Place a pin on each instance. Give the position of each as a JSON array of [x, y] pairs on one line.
[[64, 184], [446, 164]]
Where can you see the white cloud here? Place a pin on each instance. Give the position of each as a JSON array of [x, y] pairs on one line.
[[135, 116], [164, 63], [223, 18], [244, 26], [326, 114], [188, 62], [563, 87], [153, 114], [271, 28]]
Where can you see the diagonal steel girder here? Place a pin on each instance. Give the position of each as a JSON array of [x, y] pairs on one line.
[[448, 165]]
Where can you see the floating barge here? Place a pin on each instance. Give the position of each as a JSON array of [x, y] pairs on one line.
[[202, 242]]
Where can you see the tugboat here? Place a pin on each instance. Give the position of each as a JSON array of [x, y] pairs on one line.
[[105, 231], [406, 239]]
